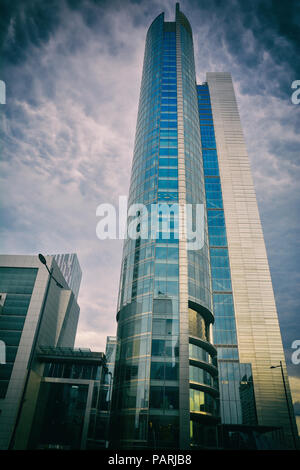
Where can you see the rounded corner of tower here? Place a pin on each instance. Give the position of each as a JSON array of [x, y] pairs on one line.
[[159, 17]]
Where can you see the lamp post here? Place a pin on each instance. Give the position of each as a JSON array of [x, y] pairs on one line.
[[44, 262], [287, 401], [33, 348], [108, 372], [37, 331]]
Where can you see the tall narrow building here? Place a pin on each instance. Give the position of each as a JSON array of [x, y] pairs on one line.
[[197, 327]]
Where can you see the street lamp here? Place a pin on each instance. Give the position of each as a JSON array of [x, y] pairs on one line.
[[108, 372], [287, 401], [33, 347], [43, 261]]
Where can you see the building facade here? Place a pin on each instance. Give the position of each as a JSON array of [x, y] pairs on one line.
[[197, 327], [34, 311], [103, 415], [64, 401], [70, 268]]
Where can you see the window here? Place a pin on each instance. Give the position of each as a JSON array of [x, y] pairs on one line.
[[197, 325], [164, 398]]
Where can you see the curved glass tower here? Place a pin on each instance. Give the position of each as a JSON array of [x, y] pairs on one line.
[[176, 385], [165, 391]]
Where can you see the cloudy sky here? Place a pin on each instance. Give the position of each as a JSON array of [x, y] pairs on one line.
[[72, 70]]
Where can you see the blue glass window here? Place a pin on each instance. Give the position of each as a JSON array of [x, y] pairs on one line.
[[164, 184], [168, 151], [168, 124], [168, 172]]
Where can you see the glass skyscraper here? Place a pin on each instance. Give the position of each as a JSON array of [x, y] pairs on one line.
[[70, 268], [197, 328]]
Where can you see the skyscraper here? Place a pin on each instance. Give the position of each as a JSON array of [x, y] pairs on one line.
[[34, 311], [197, 328], [69, 265]]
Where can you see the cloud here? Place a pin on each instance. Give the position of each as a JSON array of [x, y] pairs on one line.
[[259, 46], [68, 140], [73, 71]]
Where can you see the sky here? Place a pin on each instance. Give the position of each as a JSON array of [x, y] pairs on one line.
[[72, 70]]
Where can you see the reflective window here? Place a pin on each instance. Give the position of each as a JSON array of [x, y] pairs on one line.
[[59, 416], [164, 371], [161, 347], [199, 375], [202, 402], [164, 398], [17, 284], [197, 325]]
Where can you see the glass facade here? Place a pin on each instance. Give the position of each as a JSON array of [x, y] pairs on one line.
[[189, 341], [16, 286], [71, 400], [59, 417], [100, 411], [237, 401], [70, 268], [147, 377], [148, 301], [33, 312], [67, 370]]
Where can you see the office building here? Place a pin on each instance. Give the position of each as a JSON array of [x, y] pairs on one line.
[[102, 417], [197, 328], [35, 311], [64, 402], [70, 269]]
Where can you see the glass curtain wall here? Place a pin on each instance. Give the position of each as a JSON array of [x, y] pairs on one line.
[[235, 379], [130, 400], [147, 383], [203, 387], [16, 286]]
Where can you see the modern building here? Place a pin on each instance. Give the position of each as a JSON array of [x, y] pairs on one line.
[[64, 401], [70, 268], [35, 311], [197, 327], [102, 416]]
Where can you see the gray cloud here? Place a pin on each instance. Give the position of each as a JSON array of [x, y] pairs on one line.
[[73, 73]]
